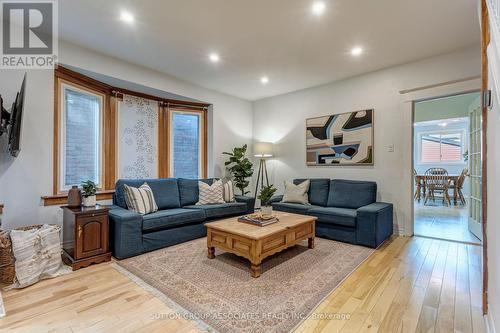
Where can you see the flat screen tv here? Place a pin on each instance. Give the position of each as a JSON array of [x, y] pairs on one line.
[[15, 122]]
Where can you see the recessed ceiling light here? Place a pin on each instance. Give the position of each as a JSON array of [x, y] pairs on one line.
[[127, 17], [264, 80], [214, 57], [318, 7], [357, 51]]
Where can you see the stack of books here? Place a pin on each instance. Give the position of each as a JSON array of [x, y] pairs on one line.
[[257, 219]]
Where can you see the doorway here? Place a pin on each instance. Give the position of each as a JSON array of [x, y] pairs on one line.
[[447, 177]]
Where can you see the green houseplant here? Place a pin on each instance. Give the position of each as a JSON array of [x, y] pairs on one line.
[[266, 193], [240, 167], [89, 190]]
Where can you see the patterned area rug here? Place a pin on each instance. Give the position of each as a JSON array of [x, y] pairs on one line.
[[221, 294]]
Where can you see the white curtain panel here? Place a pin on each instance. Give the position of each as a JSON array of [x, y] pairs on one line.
[[137, 138]]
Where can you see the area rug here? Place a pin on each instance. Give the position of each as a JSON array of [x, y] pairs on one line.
[[220, 295]]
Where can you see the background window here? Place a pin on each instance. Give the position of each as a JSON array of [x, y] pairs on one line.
[[441, 147], [81, 137], [186, 144]]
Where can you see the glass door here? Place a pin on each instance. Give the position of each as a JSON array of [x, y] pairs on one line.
[[475, 172]]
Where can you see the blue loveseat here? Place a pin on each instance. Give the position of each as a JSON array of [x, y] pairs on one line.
[[346, 210], [178, 219]]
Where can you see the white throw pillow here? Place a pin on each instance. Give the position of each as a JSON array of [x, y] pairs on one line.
[[38, 255], [141, 200], [228, 191], [210, 194], [296, 193]]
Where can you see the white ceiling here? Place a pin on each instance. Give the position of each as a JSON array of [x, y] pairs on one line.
[[277, 38]]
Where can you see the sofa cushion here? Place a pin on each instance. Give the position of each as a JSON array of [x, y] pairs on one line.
[[188, 190], [333, 215], [166, 192], [141, 200], [171, 218], [351, 194], [210, 194], [291, 207], [297, 193], [221, 210], [318, 190]]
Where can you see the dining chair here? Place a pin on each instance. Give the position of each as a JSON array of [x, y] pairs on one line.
[[459, 185], [419, 186], [436, 181]]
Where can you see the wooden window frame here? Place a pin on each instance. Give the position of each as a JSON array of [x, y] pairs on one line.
[[108, 123], [63, 85], [165, 133], [110, 131]]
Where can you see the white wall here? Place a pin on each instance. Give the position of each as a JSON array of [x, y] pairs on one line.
[[493, 226], [493, 151], [281, 120], [25, 179]]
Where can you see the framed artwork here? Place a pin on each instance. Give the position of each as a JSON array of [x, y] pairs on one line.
[[340, 139]]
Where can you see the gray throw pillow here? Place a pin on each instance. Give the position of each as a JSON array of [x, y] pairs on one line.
[[296, 193]]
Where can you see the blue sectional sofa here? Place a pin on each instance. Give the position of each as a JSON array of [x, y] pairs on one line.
[[346, 210], [178, 219]]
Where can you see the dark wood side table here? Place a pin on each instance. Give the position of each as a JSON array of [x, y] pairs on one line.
[[85, 236]]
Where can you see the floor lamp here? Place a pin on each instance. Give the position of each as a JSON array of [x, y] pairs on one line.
[[263, 150]]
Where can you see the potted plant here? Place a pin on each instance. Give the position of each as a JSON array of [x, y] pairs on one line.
[[89, 189], [240, 167], [265, 195]]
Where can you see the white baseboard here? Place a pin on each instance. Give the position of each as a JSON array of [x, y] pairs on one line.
[[488, 321]]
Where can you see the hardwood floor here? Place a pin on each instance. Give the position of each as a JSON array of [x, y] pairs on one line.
[[444, 222], [408, 285]]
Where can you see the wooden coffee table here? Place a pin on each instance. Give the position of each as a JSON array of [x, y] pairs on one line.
[[256, 243]]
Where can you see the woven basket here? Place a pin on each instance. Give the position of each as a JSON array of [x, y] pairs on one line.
[[7, 268]]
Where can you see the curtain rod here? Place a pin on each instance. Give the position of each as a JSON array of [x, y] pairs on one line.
[[441, 84], [162, 101]]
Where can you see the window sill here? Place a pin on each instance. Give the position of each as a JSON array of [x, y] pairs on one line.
[[61, 199]]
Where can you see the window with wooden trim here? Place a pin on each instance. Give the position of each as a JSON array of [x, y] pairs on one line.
[[80, 136], [86, 135], [186, 143]]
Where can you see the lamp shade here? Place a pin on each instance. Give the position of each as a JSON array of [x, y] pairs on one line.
[[263, 149]]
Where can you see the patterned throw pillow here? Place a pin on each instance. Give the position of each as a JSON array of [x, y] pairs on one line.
[[141, 200], [210, 194], [296, 193], [228, 191]]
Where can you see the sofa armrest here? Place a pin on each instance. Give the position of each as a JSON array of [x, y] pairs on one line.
[[250, 201], [374, 224], [276, 198], [125, 232]]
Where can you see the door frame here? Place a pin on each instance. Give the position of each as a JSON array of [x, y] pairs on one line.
[[467, 84], [408, 100]]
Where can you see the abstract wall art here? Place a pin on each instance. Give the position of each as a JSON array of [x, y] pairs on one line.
[[340, 139]]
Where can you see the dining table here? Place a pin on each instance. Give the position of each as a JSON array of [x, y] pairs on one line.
[[452, 180]]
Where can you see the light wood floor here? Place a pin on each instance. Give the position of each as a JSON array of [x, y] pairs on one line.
[[444, 222], [408, 285]]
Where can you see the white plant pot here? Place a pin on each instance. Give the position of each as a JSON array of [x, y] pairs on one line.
[[267, 210], [89, 201]]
